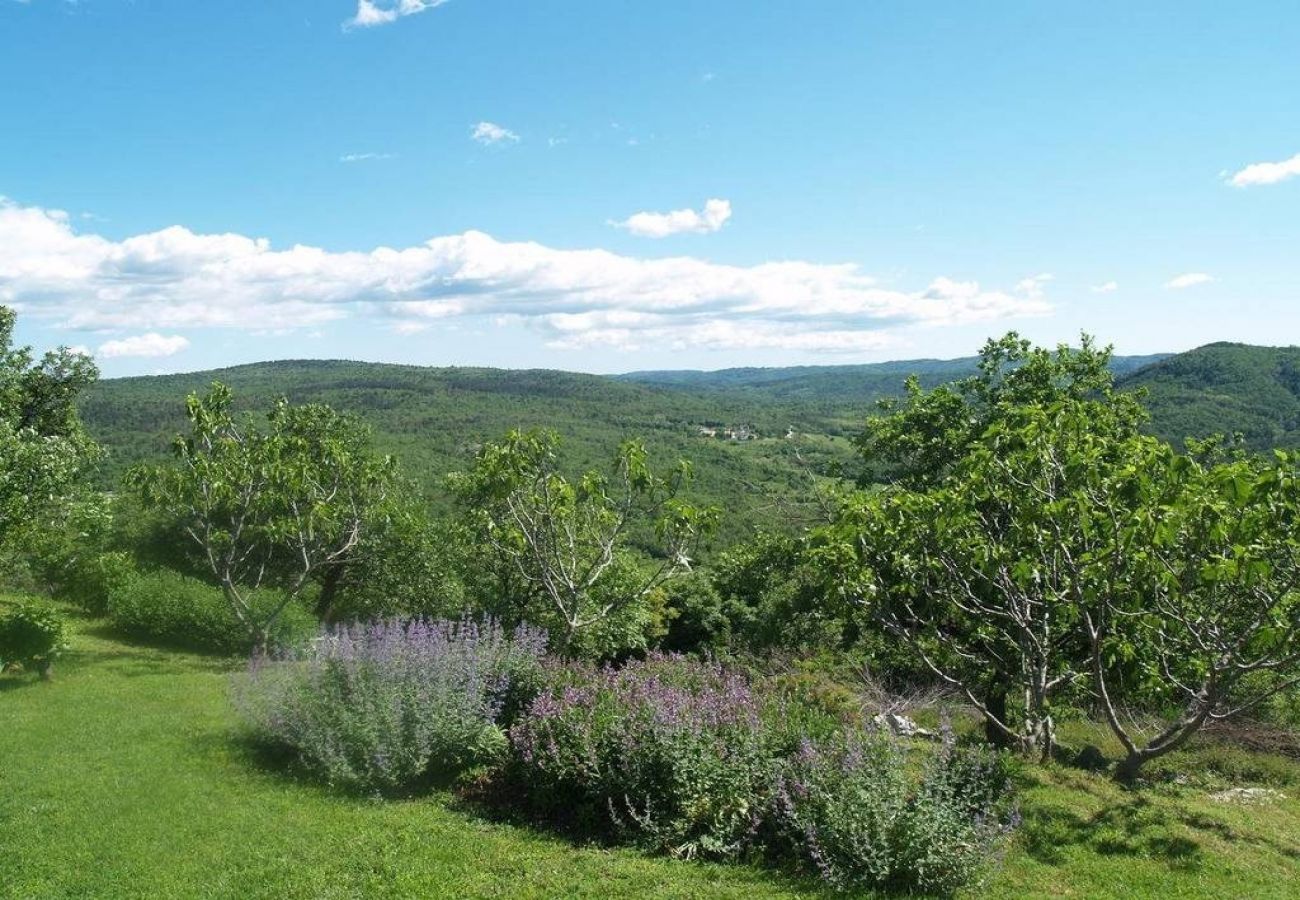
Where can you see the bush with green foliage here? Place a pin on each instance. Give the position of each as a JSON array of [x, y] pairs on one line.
[[32, 635], [381, 707], [854, 813], [697, 617], [85, 579], [774, 593], [406, 565], [173, 609], [89, 581]]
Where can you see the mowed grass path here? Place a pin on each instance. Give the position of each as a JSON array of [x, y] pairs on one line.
[[127, 777]]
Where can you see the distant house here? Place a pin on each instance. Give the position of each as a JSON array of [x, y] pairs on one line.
[[728, 432]]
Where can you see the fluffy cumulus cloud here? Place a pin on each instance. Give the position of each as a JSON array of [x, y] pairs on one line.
[[680, 221], [1266, 172], [1187, 280], [1106, 287], [382, 12], [489, 133], [151, 344], [177, 279]]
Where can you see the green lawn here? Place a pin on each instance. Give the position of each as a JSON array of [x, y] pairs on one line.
[[126, 777]]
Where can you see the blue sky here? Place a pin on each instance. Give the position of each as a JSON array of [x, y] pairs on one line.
[[605, 186]]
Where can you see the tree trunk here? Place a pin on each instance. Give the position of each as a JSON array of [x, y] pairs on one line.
[[1127, 770], [329, 591], [995, 701], [1046, 738]]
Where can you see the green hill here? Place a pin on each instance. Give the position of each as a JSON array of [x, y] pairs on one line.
[[433, 419], [1225, 388]]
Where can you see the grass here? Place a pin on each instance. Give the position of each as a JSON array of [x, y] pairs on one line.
[[127, 777]]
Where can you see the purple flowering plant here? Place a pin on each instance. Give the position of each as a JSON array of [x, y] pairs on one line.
[[669, 751], [382, 706]]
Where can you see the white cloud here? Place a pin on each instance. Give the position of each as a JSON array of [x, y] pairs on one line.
[[176, 279], [382, 12], [1108, 287], [489, 133], [151, 344], [1189, 279], [1266, 172], [1034, 285], [679, 221], [364, 157]]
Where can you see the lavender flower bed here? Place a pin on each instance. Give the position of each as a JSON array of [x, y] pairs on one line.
[[669, 751], [691, 757], [696, 759], [381, 706]]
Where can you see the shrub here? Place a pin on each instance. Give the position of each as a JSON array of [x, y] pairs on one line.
[[381, 706], [32, 635], [403, 567], [698, 618], [668, 751], [774, 592], [173, 609], [88, 581], [853, 813]]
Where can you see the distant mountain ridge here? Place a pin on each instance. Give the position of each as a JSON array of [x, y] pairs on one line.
[[864, 381]]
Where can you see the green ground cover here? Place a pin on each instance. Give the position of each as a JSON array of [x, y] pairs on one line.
[[127, 777]]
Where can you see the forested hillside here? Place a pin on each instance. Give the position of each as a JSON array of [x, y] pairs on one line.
[[1225, 388], [433, 419], [796, 421]]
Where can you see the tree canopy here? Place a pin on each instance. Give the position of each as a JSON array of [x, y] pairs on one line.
[[44, 450]]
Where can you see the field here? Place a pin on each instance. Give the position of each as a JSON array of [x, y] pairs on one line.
[[127, 776]]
